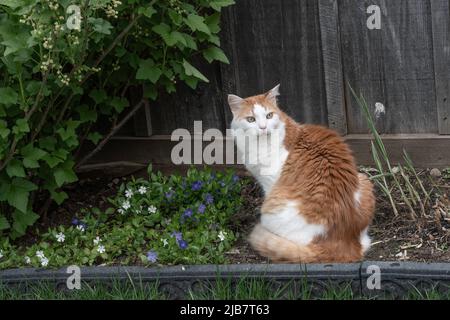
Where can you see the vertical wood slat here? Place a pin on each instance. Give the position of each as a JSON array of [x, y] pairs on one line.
[[332, 64], [440, 15], [229, 73]]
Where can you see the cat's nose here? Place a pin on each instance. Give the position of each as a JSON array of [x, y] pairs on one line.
[[264, 127]]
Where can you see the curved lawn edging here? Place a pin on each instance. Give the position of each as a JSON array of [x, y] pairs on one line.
[[397, 278]]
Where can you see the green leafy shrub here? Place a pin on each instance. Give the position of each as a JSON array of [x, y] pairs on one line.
[[163, 220], [64, 68]]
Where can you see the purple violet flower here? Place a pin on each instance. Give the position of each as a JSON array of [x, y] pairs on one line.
[[152, 256], [169, 194], [178, 235], [75, 221], [182, 244], [209, 199], [187, 213], [196, 186], [201, 208]]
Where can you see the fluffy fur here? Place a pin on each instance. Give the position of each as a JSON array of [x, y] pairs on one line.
[[317, 207]]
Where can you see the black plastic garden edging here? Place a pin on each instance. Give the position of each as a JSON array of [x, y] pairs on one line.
[[396, 278]]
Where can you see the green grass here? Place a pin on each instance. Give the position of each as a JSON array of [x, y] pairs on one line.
[[221, 289]]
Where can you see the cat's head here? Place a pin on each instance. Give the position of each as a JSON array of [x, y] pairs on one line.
[[256, 115]]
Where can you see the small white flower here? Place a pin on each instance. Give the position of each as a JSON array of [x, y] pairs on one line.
[[27, 260], [81, 228], [1, 254], [121, 211], [97, 240], [126, 205], [101, 249], [142, 190], [128, 193], [222, 235], [152, 209], [40, 254], [165, 242], [379, 110], [60, 237], [44, 262]]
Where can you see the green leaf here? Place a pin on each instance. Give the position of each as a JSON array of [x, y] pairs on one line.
[[94, 137], [190, 70], [4, 131], [31, 156], [219, 4], [98, 95], [69, 131], [191, 82], [87, 114], [52, 161], [162, 29], [196, 22], [4, 224], [101, 25], [215, 53], [22, 220], [64, 174], [213, 22], [59, 197], [119, 104], [15, 169], [148, 71], [21, 126], [48, 143], [190, 42], [173, 38], [17, 195], [176, 18], [147, 11], [8, 96]]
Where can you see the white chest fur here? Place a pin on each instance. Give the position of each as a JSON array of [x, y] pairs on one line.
[[264, 156]]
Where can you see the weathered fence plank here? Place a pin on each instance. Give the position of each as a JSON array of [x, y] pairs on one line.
[[393, 65], [440, 15], [270, 42], [332, 64]]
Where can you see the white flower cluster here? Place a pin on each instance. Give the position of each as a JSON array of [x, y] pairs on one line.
[[47, 65], [73, 39], [111, 9], [58, 27], [64, 78], [54, 5], [47, 44]]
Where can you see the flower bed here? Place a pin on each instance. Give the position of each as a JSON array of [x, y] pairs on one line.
[[159, 220]]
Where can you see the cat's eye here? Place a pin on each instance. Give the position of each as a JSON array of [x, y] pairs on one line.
[[251, 119], [269, 115]]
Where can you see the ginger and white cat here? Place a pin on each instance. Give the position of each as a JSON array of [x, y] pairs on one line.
[[317, 207]]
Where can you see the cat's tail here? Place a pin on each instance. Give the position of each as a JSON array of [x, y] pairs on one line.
[[280, 249]]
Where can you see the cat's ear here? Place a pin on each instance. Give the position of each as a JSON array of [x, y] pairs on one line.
[[273, 93], [235, 102]]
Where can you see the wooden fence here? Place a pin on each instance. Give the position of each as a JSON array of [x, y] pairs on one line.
[[316, 49]]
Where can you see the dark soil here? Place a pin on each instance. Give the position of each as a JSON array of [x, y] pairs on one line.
[[424, 239]]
